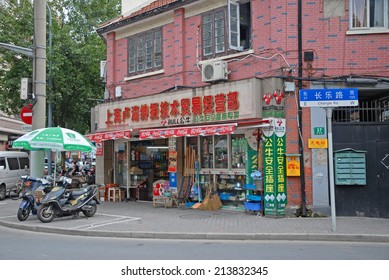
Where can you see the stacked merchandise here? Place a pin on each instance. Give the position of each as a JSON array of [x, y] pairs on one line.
[[254, 194]]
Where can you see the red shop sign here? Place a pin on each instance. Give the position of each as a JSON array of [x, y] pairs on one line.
[[187, 131]]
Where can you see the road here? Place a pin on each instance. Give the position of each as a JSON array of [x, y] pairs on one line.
[[27, 245]]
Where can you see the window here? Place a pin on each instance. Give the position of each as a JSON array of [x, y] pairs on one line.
[[2, 163], [368, 14], [226, 29], [145, 52], [13, 163], [24, 162]]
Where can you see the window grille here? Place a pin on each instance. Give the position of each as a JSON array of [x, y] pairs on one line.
[[366, 112]]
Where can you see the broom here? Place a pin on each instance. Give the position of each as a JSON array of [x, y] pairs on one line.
[[197, 183], [211, 200]]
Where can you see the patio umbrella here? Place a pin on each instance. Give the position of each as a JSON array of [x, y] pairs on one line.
[[56, 139]]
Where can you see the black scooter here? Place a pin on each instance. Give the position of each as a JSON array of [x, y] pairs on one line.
[[61, 201], [37, 187]]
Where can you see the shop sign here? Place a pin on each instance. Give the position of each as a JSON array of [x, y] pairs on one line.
[[99, 148], [251, 137], [275, 197], [317, 143], [197, 109], [187, 131], [99, 137], [172, 161]]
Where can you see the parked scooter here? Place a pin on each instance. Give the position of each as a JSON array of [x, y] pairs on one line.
[[36, 188], [89, 175], [62, 201]]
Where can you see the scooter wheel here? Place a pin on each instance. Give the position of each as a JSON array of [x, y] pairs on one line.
[[46, 214], [91, 212], [23, 214]]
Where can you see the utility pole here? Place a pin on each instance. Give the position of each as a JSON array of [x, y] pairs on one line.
[[39, 82], [50, 105]]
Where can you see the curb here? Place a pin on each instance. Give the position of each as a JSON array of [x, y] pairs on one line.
[[207, 236]]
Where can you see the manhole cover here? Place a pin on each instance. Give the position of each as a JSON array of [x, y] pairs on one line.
[[195, 216]]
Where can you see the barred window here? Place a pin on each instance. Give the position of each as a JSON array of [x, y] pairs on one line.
[[145, 52], [366, 112]]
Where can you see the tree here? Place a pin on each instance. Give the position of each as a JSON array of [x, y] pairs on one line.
[[76, 54], [17, 29]]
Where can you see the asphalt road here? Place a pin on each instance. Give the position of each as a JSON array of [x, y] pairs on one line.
[[27, 245]]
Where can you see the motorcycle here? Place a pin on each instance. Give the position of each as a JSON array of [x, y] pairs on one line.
[[90, 175], [36, 188], [61, 201]]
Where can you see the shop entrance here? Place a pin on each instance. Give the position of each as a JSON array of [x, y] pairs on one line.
[[148, 163]]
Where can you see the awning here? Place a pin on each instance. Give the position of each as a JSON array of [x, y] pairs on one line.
[[99, 137], [203, 130]]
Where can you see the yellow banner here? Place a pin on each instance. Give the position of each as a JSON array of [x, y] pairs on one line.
[[317, 143], [292, 165]]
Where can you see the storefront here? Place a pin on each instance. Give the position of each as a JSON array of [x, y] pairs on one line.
[[213, 135]]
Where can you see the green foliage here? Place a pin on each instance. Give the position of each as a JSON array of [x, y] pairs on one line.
[[16, 29], [75, 61]]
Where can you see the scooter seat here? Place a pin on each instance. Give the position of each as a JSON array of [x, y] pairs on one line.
[[81, 191]]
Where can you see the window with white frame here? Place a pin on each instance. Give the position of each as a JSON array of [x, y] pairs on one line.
[[226, 29], [368, 14], [145, 52]]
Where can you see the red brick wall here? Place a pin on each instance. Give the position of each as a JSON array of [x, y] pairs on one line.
[[275, 43]]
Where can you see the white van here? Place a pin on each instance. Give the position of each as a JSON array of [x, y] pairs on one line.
[[12, 165]]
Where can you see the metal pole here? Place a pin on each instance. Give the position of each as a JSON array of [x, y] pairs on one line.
[[331, 167], [39, 84], [300, 112], [50, 107]]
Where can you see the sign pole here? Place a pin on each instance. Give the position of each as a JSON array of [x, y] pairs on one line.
[[331, 167], [328, 98]]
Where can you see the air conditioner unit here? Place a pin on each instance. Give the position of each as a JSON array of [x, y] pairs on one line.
[[215, 71]]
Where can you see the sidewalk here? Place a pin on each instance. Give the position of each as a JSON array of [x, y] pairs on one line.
[[142, 220]]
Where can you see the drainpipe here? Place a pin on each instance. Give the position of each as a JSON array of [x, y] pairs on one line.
[[300, 113]]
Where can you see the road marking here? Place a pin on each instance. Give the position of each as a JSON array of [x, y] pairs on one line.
[[7, 217], [92, 226], [119, 219], [110, 215]]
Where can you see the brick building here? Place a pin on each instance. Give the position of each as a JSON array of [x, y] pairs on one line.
[[233, 66]]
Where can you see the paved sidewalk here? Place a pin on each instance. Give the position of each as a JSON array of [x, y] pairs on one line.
[[142, 220]]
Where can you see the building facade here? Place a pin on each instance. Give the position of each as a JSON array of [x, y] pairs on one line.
[[204, 75], [11, 128]]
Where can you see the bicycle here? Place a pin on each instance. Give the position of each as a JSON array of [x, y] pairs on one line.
[[16, 191]]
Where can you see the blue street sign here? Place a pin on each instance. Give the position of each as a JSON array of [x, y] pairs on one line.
[[328, 97]]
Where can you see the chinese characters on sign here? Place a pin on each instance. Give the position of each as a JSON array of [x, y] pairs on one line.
[[317, 143], [293, 165], [275, 198], [326, 97], [222, 106], [186, 131]]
